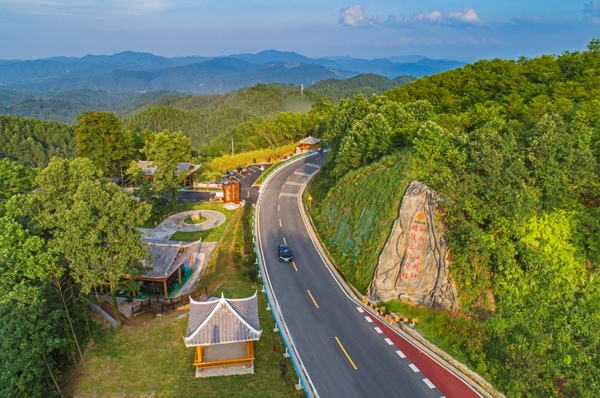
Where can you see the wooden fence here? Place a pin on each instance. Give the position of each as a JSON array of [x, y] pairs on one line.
[[158, 305]]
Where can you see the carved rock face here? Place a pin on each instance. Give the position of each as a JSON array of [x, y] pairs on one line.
[[413, 264]]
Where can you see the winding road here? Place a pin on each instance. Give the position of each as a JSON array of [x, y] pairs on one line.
[[342, 350]]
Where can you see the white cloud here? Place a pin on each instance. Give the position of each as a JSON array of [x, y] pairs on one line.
[[354, 16], [465, 17], [431, 17], [468, 16]]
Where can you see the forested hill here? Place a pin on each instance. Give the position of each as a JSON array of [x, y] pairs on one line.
[[366, 85], [513, 148], [34, 142]]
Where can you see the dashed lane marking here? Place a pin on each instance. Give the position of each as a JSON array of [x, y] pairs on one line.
[[346, 353], [313, 299], [390, 342], [316, 166], [360, 309], [369, 319], [429, 383], [299, 173], [289, 195], [378, 330], [414, 368], [297, 184], [400, 354]]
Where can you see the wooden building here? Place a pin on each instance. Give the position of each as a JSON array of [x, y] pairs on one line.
[[183, 169], [223, 332], [309, 143], [167, 261]]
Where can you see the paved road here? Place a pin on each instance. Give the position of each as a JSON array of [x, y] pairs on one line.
[[344, 353]]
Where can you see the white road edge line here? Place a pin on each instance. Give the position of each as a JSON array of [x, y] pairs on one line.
[[356, 301], [266, 279]]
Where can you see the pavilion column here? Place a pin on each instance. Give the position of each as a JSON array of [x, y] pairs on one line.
[[249, 349], [179, 273], [165, 288], [192, 258]]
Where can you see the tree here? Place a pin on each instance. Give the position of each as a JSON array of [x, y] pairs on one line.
[[100, 238], [165, 152], [31, 322], [90, 223], [101, 139], [15, 178]]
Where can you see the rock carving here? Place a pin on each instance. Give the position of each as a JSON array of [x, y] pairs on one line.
[[413, 265]]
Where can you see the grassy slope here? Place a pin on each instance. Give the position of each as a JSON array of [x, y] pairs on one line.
[[152, 360], [356, 217]]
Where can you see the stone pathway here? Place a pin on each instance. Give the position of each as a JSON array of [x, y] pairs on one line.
[[175, 223]]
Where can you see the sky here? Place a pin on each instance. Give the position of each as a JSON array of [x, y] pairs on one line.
[[441, 29]]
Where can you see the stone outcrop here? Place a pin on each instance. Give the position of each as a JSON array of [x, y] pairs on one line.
[[413, 266]]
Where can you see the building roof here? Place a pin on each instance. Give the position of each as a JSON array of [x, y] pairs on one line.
[[165, 258], [149, 169], [223, 321], [310, 140]]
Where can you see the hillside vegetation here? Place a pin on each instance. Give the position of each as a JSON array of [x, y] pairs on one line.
[[365, 85], [513, 148]]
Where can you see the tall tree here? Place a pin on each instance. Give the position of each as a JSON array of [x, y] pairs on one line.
[[165, 152], [31, 321], [91, 224], [101, 139]]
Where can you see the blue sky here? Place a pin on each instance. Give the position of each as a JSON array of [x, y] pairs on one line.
[[444, 29]]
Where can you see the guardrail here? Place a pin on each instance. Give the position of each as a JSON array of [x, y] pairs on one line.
[[292, 159], [289, 352]]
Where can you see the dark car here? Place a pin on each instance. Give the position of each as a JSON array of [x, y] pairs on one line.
[[285, 253], [231, 174], [242, 169]]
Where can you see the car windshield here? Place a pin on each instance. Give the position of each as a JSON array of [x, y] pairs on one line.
[[285, 250]]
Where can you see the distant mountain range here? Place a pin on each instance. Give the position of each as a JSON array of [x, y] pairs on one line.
[[141, 72]]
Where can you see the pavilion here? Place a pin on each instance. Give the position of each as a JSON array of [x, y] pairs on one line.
[[167, 260], [309, 143], [223, 332]]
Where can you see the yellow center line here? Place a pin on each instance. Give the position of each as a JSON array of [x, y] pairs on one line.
[[347, 356], [294, 264], [280, 222], [284, 242], [311, 296]]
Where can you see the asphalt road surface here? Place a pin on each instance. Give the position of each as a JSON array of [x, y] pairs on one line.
[[345, 352]]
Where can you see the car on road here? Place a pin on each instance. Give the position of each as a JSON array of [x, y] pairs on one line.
[[285, 253]]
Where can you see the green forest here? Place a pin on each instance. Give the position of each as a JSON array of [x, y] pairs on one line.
[[513, 149], [511, 146]]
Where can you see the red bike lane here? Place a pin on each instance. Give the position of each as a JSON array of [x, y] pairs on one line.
[[445, 381]]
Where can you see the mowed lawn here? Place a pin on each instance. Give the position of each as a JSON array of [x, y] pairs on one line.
[[151, 359]]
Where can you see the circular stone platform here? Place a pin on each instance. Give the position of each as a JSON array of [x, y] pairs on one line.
[[175, 222]]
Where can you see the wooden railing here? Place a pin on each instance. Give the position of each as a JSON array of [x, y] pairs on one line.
[[159, 305]]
